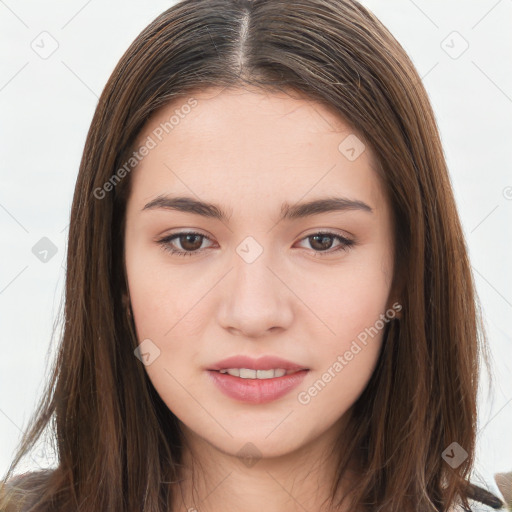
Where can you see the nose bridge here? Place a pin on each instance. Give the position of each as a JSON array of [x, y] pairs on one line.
[[254, 281], [256, 300]]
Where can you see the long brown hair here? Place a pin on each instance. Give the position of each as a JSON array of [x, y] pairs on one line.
[[118, 444]]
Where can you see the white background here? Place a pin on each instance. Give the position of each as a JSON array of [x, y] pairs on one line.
[[47, 106]]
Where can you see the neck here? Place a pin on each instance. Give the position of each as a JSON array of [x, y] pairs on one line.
[[213, 480]]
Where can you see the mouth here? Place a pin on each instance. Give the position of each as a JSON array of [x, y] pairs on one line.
[[256, 386], [246, 379]]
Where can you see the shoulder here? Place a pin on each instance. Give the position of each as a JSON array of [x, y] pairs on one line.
[[22, 489], [484, 495], [474, 506], [484, 501], [29, 480]]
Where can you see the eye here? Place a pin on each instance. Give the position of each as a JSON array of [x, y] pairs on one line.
[[321, 242], [190, 242]]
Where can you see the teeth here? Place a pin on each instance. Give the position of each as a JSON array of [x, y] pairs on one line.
[[246, 373]]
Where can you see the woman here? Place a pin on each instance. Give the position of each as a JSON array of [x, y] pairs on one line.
[[269, 301]]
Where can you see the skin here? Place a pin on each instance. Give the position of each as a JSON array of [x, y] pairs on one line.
[[249, 152]]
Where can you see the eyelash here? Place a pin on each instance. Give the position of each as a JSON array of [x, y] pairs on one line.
[[345, 243]]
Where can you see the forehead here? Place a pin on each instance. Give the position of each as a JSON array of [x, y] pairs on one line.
[[215, 143]]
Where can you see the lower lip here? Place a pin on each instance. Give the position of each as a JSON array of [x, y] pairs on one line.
[[256, 391]]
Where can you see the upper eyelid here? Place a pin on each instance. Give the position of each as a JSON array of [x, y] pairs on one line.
[[327, 231]]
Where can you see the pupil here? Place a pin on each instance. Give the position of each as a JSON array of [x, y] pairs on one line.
[[323, 238], [188, 239]]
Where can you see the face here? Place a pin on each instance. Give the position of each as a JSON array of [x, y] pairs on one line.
[[258, 274]]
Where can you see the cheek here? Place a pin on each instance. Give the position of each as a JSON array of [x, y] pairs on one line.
[[332, 390], [350, 298], [346, 354], [166, 311], [166, 316], [161, 295], [352, 308]]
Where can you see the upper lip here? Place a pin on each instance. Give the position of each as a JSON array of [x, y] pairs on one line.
[[262, 363]]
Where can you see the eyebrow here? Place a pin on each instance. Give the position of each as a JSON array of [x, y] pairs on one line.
[[288, 212]]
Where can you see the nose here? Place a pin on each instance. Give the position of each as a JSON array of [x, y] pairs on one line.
[[257, 299]]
